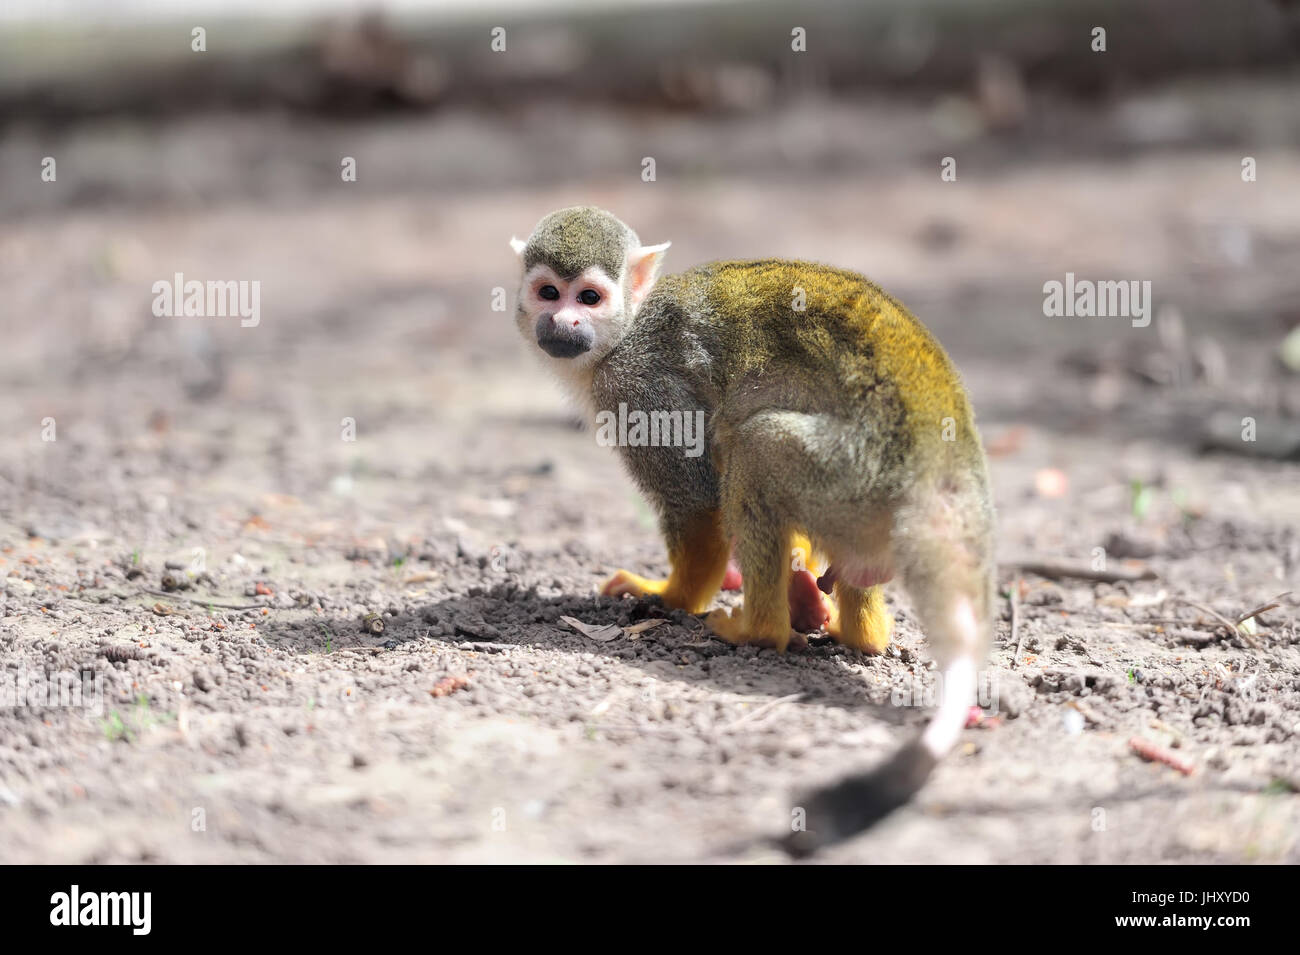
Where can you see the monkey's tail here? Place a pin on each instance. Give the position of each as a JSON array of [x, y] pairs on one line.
[[857, 802]]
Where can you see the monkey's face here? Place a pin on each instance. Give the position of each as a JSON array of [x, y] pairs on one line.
[[577, 319], [585, 276]]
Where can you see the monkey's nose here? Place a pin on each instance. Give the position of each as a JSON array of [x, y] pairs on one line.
[[563, 338]]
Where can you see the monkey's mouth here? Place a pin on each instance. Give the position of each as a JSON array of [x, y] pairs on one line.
[[563, 341]]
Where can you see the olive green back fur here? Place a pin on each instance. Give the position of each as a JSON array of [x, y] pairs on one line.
[[852, 351]]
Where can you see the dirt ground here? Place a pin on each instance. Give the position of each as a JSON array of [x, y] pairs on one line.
[[252, 716]]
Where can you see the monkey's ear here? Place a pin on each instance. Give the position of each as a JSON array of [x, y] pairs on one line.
[[518, 245], [643, 270]]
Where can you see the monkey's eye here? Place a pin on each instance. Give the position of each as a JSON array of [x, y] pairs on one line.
[[549, 292], [589, 296]]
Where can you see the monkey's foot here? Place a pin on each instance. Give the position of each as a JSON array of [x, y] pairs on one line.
[[733, 627], [860, 620], [626, 582], [673, 595]]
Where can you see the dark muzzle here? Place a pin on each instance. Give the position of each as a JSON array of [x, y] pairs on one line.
[[562, 340]]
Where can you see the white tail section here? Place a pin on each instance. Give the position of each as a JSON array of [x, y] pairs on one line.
[[959, 688]]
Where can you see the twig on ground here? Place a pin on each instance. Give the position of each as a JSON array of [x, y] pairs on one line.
[[761, 711], [1232, 627], [488, 647], [648, 730], [1158, 754], [1055, 571], [199, 601], [1015, 621], [1084, 710], [1271, 605]]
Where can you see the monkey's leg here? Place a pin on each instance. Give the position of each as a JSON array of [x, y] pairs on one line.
[[860, 619], [764, 618], [807, 609], [698, 552]]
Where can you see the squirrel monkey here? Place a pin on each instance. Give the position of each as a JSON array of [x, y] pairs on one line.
[[834, 423]]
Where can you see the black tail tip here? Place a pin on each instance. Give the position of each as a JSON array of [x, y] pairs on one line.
[[843, 810]]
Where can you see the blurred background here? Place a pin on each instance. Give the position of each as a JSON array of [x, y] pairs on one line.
[[466, 122]]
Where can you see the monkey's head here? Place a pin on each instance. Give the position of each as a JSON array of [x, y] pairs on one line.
[[585, 276]]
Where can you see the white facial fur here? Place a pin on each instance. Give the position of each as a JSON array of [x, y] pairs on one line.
[[608, 318]]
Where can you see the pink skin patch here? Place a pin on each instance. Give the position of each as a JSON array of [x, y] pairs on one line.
[[807, 612], [591, 279], [568, 307], [976, 717], [864, 577]]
